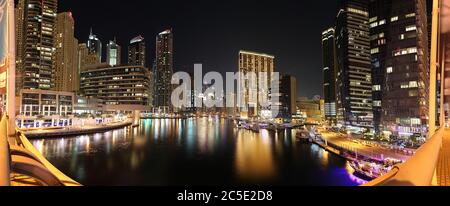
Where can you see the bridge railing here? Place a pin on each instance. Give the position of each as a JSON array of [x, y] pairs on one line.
[[419, 170], [4, 154], [18, 155], [64, 179]]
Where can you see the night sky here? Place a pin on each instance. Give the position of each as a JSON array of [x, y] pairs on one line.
[[212, 32]]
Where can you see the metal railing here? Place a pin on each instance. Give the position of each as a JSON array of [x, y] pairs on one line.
[[63, 179], [4, 153], [20, 156], [419, 170]]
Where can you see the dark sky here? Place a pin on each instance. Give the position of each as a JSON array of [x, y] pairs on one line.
[[212, 32]]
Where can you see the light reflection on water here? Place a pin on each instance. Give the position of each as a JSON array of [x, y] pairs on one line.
[[254, 158], [204, 151]]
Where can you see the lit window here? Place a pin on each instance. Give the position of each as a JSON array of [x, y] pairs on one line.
[[377, 103], [376, 87], [410, 15], [389, 70], [413, 93], [415, 121], [374, 50], [404, 86], [382, 22], [412, 50], [394, 18], [374, 24], [411, 28], [413, 84]]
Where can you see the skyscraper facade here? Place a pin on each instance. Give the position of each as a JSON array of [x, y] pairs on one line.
[[400, 62], [258, 63], [94, 45], [329, 74], [37, 47], [354, 81], [136, 51], [113, 53], [85, 59], [18, 12], [66, 69], [164, 71], [380, 17], [288, 97]]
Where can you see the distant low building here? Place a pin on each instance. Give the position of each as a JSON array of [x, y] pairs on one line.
[[44, 108], [311, 110], [121, 88]]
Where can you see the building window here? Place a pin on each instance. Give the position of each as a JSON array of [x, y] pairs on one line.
[[413, 93], [374, 24], [415, 121], [373, 19], [376, 87], [382, 22], [374, 50], [411, 50], [411, 28], [394, 18], [410, 15], [389, 70], [404, 85], [377, 103], [413, 84]]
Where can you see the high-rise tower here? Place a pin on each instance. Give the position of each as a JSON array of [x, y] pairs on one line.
[[66, 69], [136, 51], [164, 71], [329, 74], [354, 76], [113, 53], [400, 62], [94, 45], [37, 44]]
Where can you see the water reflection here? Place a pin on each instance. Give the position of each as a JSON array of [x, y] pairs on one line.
[[204, 151], [254, 158]]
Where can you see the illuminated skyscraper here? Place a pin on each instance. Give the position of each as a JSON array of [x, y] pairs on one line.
[[354, 81], [94, 45], [136, 51], [164, 71], [257, 63], [66, 72], [113, 53], [400, 62], [19, 44], [37, 44], [329, 74]]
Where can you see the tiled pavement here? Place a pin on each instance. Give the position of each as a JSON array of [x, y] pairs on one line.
[[443, 167]]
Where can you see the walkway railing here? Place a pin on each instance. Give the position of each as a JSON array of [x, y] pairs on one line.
[[4, 154], [18, 155], [419, 170]]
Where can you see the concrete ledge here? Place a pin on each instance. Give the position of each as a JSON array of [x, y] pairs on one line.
[[73, 132]]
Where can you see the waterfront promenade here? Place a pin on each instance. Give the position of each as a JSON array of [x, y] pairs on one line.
[[443, 165], [374, 151], [75, 130]]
